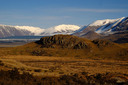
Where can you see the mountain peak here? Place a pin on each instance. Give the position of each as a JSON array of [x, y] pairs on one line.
[[66, 27], [110, 27], [60, 29], [35, 30], [105, 21]]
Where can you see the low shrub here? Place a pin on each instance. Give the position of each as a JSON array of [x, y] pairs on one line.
[[13, 77], [37, 70]]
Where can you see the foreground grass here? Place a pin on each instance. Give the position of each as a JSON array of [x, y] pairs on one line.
[[13, 77], [57, 66]]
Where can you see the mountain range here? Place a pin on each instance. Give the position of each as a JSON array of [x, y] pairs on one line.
[[111, 29], [7, 30], [105, 27]]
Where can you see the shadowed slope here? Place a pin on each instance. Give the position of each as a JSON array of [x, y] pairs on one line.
[[120, 37], [91, 35]]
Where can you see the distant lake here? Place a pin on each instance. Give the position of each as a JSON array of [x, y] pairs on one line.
[[23, 37], [20, 39]]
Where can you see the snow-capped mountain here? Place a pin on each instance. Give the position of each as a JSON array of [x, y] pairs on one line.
[[105, 27], [99, 27], [110, 27], [7, 30], [102, 28], [34, 30], [60, 29], [104, 22]]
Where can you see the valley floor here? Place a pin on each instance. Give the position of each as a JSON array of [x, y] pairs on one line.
[[14, 44], [57, 66]]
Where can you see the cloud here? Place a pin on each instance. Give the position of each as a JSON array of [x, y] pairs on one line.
[[96, 10], [55, 17], [31, 17]]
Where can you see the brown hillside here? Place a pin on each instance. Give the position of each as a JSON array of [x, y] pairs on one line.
[[70, 46], [91, 35], [120, 37]]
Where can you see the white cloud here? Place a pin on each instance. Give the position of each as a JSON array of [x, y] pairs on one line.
[[96, 10], [23, 17], [55, 17]]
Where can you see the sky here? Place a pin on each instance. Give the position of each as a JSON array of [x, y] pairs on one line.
[[48, 13]]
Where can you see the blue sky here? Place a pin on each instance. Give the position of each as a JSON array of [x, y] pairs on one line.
[[48, 13]]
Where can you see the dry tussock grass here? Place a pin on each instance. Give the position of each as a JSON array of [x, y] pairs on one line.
[[56, 66], [62, 54]]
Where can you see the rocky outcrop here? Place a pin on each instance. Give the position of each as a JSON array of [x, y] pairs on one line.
[[64, 41]]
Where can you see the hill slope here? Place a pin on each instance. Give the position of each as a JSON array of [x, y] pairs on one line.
[[120, 37], [91, 35], [70, 46]]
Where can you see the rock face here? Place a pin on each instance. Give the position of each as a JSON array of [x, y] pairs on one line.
[[64, 41], [103, 43]]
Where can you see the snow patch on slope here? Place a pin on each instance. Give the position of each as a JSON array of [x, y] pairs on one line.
[[109, 26], [35, 30]]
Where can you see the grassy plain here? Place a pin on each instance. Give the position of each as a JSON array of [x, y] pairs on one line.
[[62, 55], [56, 66]]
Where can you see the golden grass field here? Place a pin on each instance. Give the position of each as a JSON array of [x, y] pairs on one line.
[[56, 66], [66, 55]]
